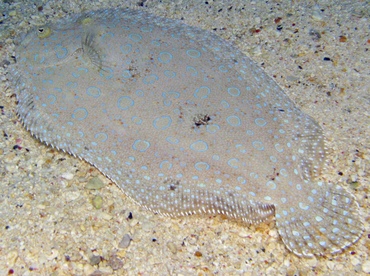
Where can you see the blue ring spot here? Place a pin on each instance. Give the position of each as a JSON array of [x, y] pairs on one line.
[[233, 162], [165, 57], [260, 122], [139, 93], [258, 145], [193, 53], [241, 148], [61, 52], [146, 29], [176, 36], [271, 184], [72, 84], [284, 172], [212, 128], [223, 68], [242, 180], [104, 73], [273, 159], [162, 122], [202, 166], [126, 49], [233, 120], [233, 91], [279, 148], [170, 74], [192, 71], [172, 94], [80, 114], [37, 58], [105, 36], [150, 79], [135, 37], [48, 81], [102, 136], [172, 140], [83, 69], [93, 91], [250, 132], [199, 146], [126, 74], [225, 104], [125, 102], [49, 71], [165, 165], [202, 92], [155, 42], [52, 98], [141, 145], [136, 120]]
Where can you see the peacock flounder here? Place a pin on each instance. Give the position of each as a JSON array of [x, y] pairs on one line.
[[183, 123]]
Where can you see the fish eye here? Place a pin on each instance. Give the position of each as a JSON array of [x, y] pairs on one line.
[[43, 32]]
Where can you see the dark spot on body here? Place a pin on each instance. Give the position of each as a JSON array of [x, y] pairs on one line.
[[173, 184], [201, 119]]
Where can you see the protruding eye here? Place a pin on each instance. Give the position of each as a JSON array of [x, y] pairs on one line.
[[43, 32]]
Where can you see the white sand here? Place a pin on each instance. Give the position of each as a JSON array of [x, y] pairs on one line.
[[48, 224]]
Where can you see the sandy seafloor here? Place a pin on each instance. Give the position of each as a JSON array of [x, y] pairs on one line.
[[48, 225]]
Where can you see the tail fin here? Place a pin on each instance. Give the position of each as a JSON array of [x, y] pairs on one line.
[[328, 226]]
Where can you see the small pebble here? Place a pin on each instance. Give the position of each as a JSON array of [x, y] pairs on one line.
[[67, 175], [244, 234], [53, 254], [312, 262], [105, 216], [88, 269], [133, 222], [97, 202], [172, 247], [95, 183], [198, 254], [366, 267], [12, 257], [330, 265], [125, 242], [316, 16], [94, 260], [72, 196], [115, 263], [355, 261]]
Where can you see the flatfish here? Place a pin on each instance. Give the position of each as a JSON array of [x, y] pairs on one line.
[[183, 122]]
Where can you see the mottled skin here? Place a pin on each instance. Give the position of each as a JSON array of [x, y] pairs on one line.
[[183, 122]]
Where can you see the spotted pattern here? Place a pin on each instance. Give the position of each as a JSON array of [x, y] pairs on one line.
[[183, 122]]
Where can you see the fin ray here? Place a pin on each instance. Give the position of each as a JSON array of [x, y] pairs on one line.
[[331, 225]]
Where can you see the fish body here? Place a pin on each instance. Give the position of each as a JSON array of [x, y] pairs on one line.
[[183, 122]]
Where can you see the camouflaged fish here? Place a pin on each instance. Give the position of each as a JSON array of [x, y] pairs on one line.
[[183, 122]]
